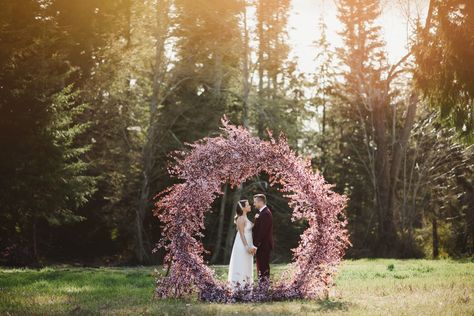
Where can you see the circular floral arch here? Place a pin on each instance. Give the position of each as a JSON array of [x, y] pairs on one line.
[[235, 156]]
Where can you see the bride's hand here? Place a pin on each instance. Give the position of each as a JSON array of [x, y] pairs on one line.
[[250, 250]]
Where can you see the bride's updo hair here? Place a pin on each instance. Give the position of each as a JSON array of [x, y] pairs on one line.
[[240, 209]]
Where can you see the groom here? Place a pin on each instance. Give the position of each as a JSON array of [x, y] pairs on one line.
[[262, 235]]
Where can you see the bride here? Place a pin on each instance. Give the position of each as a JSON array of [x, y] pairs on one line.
[[241, 260]]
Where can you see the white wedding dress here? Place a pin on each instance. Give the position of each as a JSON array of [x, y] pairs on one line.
[[241, 262]]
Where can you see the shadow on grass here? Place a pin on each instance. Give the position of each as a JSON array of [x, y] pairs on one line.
[[76, 291]]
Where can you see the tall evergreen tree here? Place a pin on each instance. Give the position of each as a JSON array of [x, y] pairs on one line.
[[364, 64], [44, 176], [120, 85], [160, 88], [324, 80], [369, 94], [205, 77], [445, 63], [278, 104]]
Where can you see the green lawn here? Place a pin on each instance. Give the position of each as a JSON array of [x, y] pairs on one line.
[[380, 286]]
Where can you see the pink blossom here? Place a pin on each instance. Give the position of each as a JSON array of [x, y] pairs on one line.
[[235, 156]]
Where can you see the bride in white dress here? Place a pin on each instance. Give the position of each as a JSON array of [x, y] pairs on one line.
[[241, 259]]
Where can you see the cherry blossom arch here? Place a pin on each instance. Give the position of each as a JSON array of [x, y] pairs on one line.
[[235, 156]]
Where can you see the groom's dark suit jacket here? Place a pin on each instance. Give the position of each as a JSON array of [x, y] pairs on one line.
[[262, 235], [262, 231]]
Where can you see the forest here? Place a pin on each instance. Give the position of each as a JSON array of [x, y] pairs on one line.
[[96, 94]]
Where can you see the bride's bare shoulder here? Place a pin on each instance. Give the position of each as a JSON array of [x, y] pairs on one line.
[[240, 220]]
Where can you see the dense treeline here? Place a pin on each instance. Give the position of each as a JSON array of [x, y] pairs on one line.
[[94, 95]]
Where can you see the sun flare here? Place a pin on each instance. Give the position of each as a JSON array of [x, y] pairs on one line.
[[397, 19]]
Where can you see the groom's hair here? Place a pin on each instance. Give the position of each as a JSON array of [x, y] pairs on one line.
[[261, 197]]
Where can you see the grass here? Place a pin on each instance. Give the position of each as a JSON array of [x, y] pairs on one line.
[[362, 287]]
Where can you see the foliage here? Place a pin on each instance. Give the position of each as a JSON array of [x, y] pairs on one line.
[[445, 60], [95, 94], [438, 188], [44, 176]]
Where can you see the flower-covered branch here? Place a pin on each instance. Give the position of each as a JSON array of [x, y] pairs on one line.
[[235, 156]]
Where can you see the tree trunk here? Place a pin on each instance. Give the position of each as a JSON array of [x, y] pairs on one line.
[[220, 227], [387, 237], [35, 242], [245, 70], [142, 255], [148, 151], [128, 16], [434, 223], [400, 147], [398, 152], [231, 227], [245, 121], [218, 75], [261, 45]]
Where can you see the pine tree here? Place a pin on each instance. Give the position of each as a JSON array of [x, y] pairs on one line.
[[121, 87], [204, 80], [323, 83], [444, 58], [66, 160], [278, 104], [365, 92], [363, 56], [44, 176]]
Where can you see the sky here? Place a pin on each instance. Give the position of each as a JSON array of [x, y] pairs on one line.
[[304, 18]]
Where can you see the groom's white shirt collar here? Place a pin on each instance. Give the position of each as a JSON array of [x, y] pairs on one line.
[[262, 208]]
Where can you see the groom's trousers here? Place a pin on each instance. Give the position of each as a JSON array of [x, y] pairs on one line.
[[263, 261]]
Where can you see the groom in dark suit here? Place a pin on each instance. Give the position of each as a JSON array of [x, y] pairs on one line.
[[262, 235]]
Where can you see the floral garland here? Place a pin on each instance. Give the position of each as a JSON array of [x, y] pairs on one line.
[[235, 156]]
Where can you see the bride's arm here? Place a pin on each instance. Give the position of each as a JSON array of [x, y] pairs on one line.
[[240, 227]]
